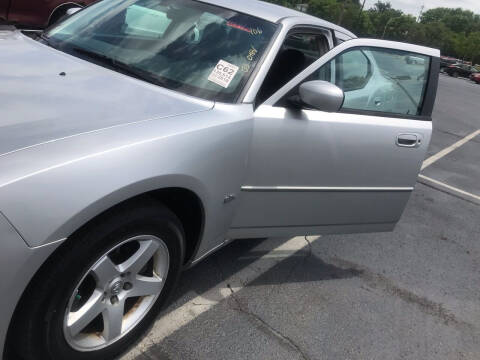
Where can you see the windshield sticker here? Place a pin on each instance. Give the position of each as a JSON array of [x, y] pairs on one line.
[[251, 53], [252, 31], [256, 31], [223, 73], [246, 68]]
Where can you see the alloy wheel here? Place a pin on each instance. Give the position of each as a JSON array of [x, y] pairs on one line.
[[116, 293]]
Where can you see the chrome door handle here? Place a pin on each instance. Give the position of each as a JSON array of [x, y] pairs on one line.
[[408, 140]]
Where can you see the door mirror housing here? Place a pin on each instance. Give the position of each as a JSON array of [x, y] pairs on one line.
[[322, 95]]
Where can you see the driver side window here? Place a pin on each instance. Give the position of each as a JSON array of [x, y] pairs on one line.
[[378, 80], [299, 50], [350, 71]]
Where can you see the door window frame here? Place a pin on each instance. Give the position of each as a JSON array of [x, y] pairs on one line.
[[302, 30], [430, 87], [285, 27]]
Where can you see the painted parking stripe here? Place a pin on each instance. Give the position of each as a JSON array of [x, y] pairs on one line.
[[449, 149], [170, 322], [449, 187]]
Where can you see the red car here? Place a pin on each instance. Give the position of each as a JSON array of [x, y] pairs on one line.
[[475, 77], [36, 13]]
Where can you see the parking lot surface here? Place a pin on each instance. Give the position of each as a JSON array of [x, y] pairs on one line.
[[410, 294]]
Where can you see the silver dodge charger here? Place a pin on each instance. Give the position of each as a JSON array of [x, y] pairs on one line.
[[139, 136]]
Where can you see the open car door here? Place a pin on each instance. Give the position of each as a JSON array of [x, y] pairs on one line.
[[353, 170]]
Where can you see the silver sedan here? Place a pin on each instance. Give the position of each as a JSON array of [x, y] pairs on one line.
[[137, 137]]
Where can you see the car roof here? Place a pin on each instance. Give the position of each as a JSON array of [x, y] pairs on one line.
[[275, 13]]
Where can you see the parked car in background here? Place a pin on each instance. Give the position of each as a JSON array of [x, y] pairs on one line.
[[446, 61], [414, 60], [460, 70], [36, 14], [475, 77], [138, 137]]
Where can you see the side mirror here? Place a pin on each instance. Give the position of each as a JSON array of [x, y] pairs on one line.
[[322, 95], [73, 10]]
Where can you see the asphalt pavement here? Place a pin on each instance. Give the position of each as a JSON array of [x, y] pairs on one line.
[[411, 294]]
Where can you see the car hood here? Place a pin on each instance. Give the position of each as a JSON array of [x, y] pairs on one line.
[[46, 95]]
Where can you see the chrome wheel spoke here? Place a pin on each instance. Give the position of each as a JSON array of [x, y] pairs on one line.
[[113, 320], [140, 258], [77, 321], [145, 286], [104, 271]]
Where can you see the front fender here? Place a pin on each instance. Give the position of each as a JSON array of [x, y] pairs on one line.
[[18, 264], [128, 192], [53, 189]]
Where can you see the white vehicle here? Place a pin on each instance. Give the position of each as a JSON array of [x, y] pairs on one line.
[[414, 60]]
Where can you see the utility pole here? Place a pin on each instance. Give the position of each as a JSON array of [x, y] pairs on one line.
[[421, 12], [363, 6], [359, 17], [340, 17]]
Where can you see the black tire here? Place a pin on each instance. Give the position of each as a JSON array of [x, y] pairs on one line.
[[455, 74], [38, 333]]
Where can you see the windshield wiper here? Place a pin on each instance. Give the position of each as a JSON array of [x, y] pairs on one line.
[[118, 65], [46, 40]]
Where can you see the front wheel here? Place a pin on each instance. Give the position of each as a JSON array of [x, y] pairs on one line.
[[104, 288]]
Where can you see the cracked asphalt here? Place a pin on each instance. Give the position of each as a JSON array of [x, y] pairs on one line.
[[410, 294]]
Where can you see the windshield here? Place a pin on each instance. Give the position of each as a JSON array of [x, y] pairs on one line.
[[184, 45]]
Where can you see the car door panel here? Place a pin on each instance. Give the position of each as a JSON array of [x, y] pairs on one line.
[[317, 172], [345, 173]]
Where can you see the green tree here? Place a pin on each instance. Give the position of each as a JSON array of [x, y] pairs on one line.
[[455, 32], [438, 35], [473, 48], [329, 10], [383, 18], [457, 20]]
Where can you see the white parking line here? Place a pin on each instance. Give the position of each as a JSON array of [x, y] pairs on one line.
[[449, 149], [449, 187], [181, 316]]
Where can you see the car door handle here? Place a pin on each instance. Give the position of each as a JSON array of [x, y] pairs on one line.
[[408, 140]]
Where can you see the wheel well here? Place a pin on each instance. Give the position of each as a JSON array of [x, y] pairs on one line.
[[189, 209], [185, 204]]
